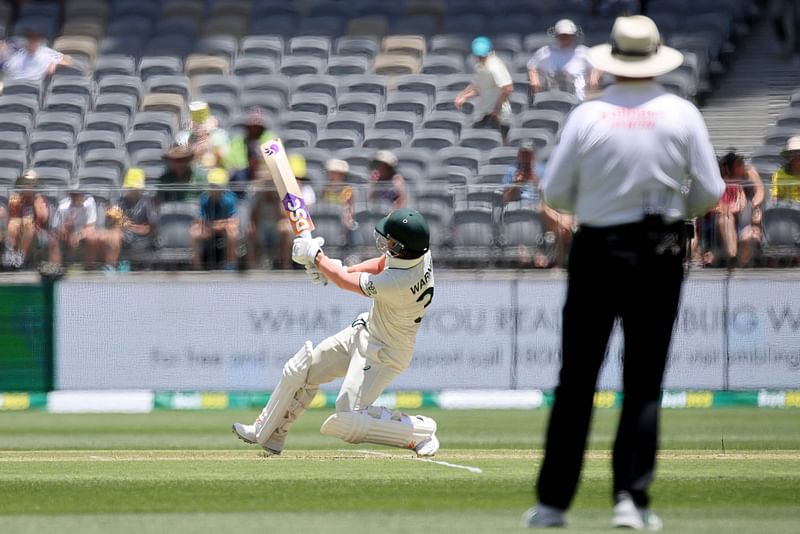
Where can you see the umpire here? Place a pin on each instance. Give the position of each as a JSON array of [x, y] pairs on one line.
[[631, 165]]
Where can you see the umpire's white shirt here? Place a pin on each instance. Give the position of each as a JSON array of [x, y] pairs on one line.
[[634, 150]]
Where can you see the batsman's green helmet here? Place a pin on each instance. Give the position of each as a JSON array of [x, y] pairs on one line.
[[408, 228]]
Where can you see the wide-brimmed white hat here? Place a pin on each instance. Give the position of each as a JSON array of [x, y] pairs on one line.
[[337, 165], [564, 27], [635, 50], [792, 146]]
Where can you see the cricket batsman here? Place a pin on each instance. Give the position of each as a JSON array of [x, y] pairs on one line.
[[370, 353]]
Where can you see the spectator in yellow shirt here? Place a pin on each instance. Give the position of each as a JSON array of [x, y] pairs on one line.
[[786, 180]]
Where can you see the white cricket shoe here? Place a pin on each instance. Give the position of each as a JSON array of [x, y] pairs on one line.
[[543, 516], [246, 433], [428, 447], [628, 515]]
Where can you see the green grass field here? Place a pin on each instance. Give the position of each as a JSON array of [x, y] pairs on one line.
[[721, 470]]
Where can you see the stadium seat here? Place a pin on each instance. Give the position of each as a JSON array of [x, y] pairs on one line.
[[450, 45], [541, 118], [767, 157], [331, 26], [171, 103], [406, 121], [222, 106], [316, 46], [14, 141], [384, 139], [49, 140], [116, 103], [473, 234], [13, 159], [147, 157], [778, 135], [116, 158], [222, 45], [454, 82], [417, 103], [459, 156], [315, 83], [445, 101], [229, 26], [53, 177], [396, 64], [430, 198], [364, 83], [68, 103], [439, 65], [315, 159], [349, 120], [103, 177], [357, 46], [534, 41], [449, 120], [415, 157], [491, 174], [417, 83], [215, 84], [91, 139], [555, 100], [156, 120], [144, 140], [303, 120], [133, 25], [125, 45], [23, 88], [318, 103], [481, 138], [251, 65], [465, 23], [298, 65], [169, 45], [202, 64], [789, 118], [276, 84], [116, 84], [59, 157], [77, 46], [24, 104], [338, 139], [364, 103], [114, 64], [522, 231], [270, 46], [346, 65], [8, 177], [159, 66], [434, 139], [293, 139], [503, 155], [72, 85], [174, 231], [271, 103], [781, 224]]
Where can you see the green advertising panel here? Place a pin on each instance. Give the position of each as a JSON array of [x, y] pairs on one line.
[[25, 338]]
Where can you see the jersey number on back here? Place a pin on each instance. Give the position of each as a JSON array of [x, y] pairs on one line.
[[427, 293]]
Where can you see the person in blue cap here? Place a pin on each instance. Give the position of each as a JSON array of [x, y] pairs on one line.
[[492, 85]]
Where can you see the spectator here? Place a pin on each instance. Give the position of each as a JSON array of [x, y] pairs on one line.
[[565, 66], [132, 223], [176, 184], [244, 155], [720, 224], [522, 183], [204, 134], [34, 61], [218, 219], [74, 227], [28, 216], [388, 186], [786, 180], [340, 193], [492, 84], [749, 223], [269, 229]]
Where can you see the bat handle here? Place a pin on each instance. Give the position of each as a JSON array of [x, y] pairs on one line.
[[306, 233]]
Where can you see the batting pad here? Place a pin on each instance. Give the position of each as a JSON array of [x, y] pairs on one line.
[[380, 426]]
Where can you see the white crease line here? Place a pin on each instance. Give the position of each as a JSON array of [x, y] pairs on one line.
[[428, 460]]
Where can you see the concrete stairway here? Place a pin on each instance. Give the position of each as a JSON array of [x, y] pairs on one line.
[[749, 97]]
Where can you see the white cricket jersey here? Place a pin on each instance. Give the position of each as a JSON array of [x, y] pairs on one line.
[[573, 60], [399, 296], [634, 150], [489, 78]]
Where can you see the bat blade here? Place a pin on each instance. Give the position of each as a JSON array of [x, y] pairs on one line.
[[288, 189]]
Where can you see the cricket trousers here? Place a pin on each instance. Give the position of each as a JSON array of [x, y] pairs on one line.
[[632, 272], [367, 371]]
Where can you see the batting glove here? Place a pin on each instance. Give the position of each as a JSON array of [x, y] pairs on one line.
[[317, 277], [305, 249]]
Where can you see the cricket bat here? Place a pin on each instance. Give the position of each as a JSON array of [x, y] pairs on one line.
[[288, 190]]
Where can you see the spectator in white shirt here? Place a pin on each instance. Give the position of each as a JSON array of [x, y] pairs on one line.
[[565, 65], [632, 165], [34, 61], [74, 227], [492, 85]]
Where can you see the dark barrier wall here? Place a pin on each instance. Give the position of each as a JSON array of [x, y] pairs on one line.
[[26, 337]]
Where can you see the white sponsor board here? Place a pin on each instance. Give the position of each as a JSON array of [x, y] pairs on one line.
[[764, 334], [477, 333], [185, 336]]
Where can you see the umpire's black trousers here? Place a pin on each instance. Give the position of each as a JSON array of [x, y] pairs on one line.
[[634, 272]]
